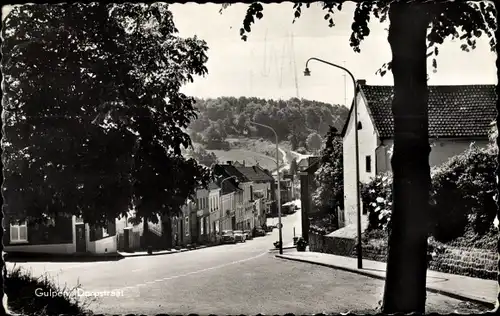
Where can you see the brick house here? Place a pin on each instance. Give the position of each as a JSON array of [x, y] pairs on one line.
[[458, 116]]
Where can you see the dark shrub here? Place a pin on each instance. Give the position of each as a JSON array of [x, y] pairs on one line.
[[377, 198], [462, 196], [21, 288]]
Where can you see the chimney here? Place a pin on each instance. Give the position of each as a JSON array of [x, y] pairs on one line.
[[229, 162], [361, 82], [243, 163]]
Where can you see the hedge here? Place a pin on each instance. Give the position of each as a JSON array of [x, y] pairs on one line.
[[462, 196], [21, 288]]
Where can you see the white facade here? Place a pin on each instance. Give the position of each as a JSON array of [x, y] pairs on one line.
[[228, 207], [214, 204], [264, 187], [368, 142], [105, 245], [378, 155]]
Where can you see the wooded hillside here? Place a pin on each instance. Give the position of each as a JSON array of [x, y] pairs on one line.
[[294, 119]]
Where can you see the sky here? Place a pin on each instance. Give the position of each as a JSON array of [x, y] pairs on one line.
[[270, 64], [259, 67]]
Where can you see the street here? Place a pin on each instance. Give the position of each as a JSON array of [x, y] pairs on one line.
[[244, 278]]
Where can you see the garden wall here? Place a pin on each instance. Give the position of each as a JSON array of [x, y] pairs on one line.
[[456, 259]]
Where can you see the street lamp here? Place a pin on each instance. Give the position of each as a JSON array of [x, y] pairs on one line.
[[279, 190], [307, 72]]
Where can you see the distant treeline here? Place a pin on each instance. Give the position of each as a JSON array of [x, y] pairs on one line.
[[293, 120]]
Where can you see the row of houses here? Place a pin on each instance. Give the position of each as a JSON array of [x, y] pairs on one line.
[[459, 115], [239, 199]]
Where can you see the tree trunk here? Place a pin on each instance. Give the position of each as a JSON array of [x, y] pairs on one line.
[[405, 290], [3, 273], [145, 233], [497, 37]]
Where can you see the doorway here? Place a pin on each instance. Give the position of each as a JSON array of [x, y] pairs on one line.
[[81, 243]]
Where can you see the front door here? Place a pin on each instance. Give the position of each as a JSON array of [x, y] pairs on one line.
[[233, 223], [81, 244]]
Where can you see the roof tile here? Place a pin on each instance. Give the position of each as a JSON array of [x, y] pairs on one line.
[[454, 111]]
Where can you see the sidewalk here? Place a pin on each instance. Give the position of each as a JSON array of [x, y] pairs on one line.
[[285, 246], [87, 257], [456, 286], [158, 253]]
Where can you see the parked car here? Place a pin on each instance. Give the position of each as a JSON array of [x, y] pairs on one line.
[[259, 232], [227, 237], [239, 236], [248, 235]]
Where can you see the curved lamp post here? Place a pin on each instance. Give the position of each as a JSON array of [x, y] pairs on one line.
[[307, 72], [279, 190]]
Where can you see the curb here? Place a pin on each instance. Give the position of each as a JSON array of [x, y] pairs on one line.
[[35, 257], [162, 253], [32, 257], [284, 248], [431, 289]]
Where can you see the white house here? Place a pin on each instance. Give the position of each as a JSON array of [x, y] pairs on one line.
[[214, 208], [458, 116]]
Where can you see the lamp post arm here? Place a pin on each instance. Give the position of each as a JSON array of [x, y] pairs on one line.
[[336, 66], [355, 109], [278, 198]]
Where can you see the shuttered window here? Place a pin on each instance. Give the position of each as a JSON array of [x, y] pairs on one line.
[[19, 233]]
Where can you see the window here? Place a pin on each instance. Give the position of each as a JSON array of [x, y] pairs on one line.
[[187, 226], [368, 160], [19, 232], [360, 126]]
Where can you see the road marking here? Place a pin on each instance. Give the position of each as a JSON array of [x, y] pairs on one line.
[[137, 270], [198, 271]]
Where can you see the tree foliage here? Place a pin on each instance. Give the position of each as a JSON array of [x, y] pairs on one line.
[[314, 142], [100, 123], [462, 196], [330, 176], [459, 20], [463, 21], [204, 157], [292, 120], [294, 166]]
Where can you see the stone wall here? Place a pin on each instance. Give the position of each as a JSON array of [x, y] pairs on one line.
[[337, 246], [473, 262]]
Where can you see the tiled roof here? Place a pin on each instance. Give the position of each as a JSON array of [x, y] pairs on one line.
[[230, 170], [255, 174], [230, 185], [213, 186], [454, 111], [314, 164]]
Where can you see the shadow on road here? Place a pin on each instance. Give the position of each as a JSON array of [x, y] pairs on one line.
[[33, 257]]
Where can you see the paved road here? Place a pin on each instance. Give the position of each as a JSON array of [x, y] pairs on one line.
[[231, 279]]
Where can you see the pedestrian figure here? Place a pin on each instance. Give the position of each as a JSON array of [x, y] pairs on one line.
[[176, 239]]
